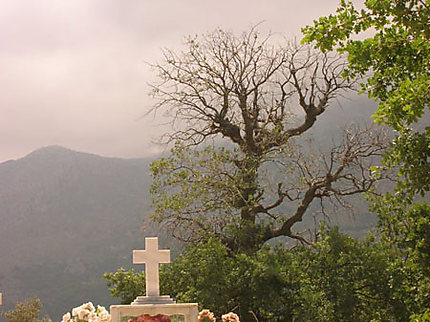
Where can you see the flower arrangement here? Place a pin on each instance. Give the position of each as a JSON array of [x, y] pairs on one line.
[[87, 312], [230, 317], [208, 316]]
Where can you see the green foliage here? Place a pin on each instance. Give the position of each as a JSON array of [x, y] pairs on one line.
[[397, 60], [203, 190], [338, 279], [409, 230], [27, 311], [396, 64], [406, 229], [425, 317], [126, 285], [343, 280], [201, 274], [194, 179], [412, 150]]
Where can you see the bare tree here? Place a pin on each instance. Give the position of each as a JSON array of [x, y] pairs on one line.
[[256, 96]]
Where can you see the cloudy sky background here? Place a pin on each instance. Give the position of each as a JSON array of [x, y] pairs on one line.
[[74, 73]]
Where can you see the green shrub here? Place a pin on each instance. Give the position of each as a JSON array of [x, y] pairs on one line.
[[27, 311]]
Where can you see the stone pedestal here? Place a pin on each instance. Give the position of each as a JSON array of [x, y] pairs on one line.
[[122, 313], [164, 299]]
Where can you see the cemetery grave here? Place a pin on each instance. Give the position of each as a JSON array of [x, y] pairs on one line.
[[153, 303]]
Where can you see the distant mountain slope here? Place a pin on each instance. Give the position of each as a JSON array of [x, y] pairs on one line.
[[65, 219]]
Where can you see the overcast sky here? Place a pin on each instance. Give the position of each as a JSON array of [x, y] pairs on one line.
[[74, 73]]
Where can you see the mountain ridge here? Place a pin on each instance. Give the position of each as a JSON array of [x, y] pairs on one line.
[[66, 217]]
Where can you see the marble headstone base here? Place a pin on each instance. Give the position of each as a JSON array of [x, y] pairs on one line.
[[164, 299]]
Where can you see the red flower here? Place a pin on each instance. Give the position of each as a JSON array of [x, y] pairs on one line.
[[153, 318]]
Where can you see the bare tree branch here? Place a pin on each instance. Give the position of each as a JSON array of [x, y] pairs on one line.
[[259, 97]]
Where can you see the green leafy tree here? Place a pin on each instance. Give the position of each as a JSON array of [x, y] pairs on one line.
[[252, 285], [396, 63], [405, 229], [126, 285], [27, 311], [345, 280], [236, 171]]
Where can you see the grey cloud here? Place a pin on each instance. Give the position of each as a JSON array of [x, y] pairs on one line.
[[73, 73]]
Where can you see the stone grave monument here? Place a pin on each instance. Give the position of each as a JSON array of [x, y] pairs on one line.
[[152, 303]]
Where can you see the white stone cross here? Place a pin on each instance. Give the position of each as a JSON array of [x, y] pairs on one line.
[[151, 257]]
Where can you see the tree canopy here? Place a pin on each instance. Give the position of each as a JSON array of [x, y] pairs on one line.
[[396, 63]]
